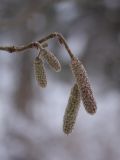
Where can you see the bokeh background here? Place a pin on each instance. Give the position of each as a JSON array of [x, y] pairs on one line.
[[31, 118]]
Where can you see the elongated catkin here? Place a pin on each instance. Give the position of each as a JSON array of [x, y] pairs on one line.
[[81, 77], [40, 72], [51, 60], [71, 110]]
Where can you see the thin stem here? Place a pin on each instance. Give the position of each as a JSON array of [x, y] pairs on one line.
[[61, 39], [12, 49]]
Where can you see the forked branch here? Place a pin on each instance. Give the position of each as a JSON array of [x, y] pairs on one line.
[[61, 39], [81, 91]]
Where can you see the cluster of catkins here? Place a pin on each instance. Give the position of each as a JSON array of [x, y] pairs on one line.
[[81, 90]]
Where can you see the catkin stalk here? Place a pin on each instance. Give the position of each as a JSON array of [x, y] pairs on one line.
[[51, 60], [81, 77], [40, 72], [71, 110]]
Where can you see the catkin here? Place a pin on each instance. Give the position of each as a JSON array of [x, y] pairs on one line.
[[40, 72], [71, 110], [81, 77], [51, 59]]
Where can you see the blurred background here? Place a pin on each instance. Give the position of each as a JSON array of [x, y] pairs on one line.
[[31, 118]]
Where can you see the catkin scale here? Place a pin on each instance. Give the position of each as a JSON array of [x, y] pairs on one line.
[[81, 77], [71, 110], [51, 60], [40, 72]]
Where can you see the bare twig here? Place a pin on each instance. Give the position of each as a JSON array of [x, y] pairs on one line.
[[61, 39], [81, 90]]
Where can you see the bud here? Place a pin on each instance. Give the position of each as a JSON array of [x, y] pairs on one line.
[[81, 77], [51, 59], [45, 44], [71, 110], [40, 72]]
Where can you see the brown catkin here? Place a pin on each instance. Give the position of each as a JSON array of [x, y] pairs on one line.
[[81, 77], [40, 72], [71, 110], [51, 59]]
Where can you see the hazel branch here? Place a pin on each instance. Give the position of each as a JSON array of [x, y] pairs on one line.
[[81, 89], [12, 49]]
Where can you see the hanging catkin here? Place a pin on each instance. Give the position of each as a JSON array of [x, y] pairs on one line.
[[40, 72], [81, 77], [71, 110], [51, 59]]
